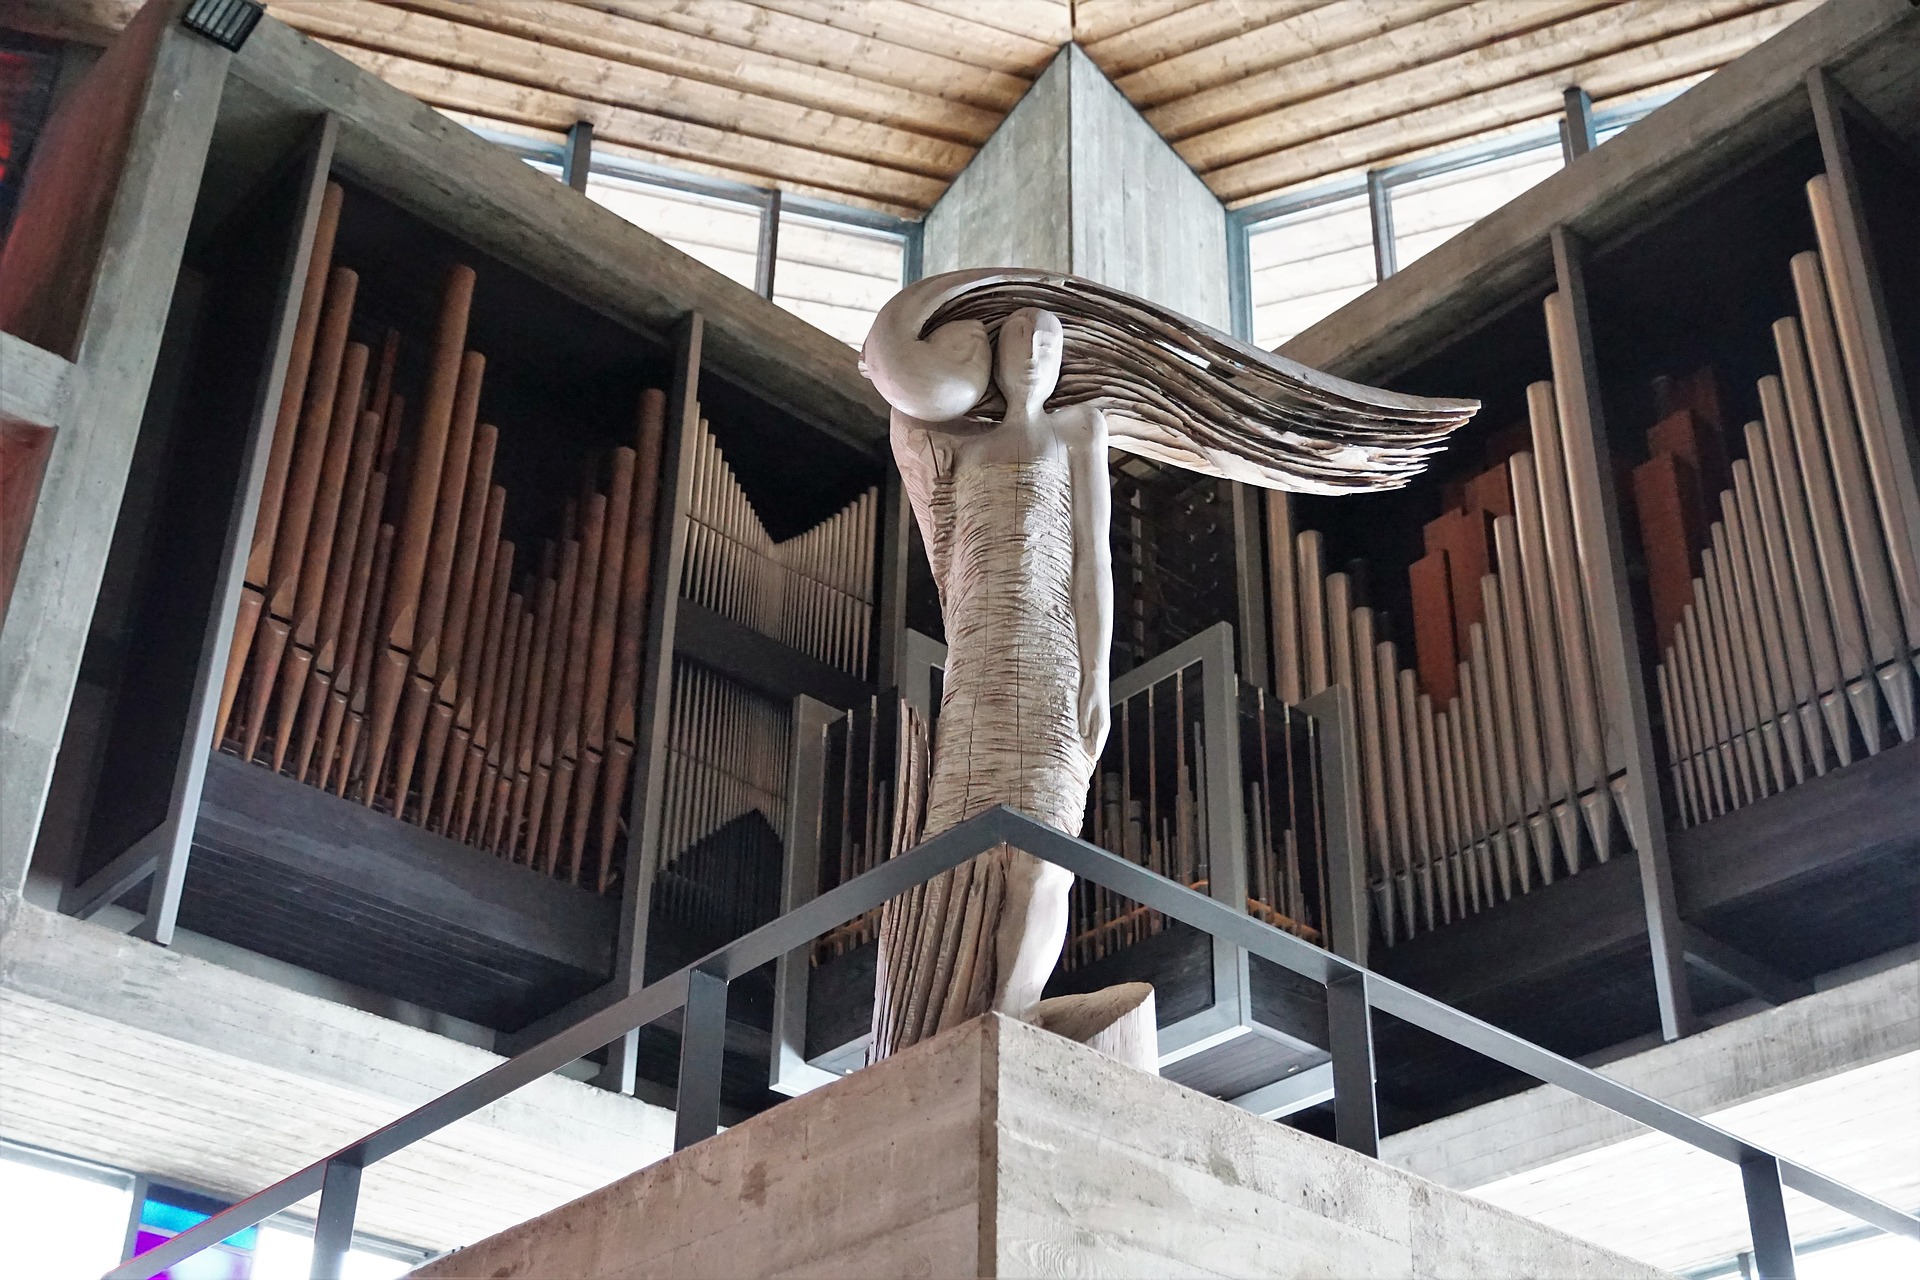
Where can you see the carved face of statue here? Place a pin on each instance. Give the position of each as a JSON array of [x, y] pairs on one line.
[[1028, 363]]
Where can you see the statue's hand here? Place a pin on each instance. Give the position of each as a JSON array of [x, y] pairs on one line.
[[1095, 716]]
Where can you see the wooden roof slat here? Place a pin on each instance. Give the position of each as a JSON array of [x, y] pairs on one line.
[[1618, 73], [1450, 31], [1290, 37], [670, 139], [749, 26], [509, 59], [88, 21], [1097, 20], [1551, 50], [687, 164], [902, 22], [1135, 47], [1048, 21], [676, 53]]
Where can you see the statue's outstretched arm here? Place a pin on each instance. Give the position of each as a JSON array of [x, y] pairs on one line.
[[1092, 571]]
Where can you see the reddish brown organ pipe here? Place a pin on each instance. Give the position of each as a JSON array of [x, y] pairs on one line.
[[360, 573], [577, 656], [382, 392], [608, 597], [360, 671], [496, 779], [477, 698], [552, 689], [464, 551], [393, 416], [416, 709], [443, 549], [488, 592], [639, 562], [529, 717], [606, 625], [351, 530], [630, 636], [458, 681], [266, 522], [416, 528], [296, 509], [309, 597]]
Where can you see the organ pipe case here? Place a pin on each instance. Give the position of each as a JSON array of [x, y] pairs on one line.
[[476, 546], [1650, 622]]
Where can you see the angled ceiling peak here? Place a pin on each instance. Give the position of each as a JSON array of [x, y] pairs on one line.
[[882, 103]]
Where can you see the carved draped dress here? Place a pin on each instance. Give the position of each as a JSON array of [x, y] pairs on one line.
[[999, 537]]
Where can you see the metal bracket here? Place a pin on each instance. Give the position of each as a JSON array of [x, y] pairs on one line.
[[1733, 965], [1284, 1097]]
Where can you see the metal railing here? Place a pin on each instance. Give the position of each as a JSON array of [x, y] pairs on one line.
[[700, 989]]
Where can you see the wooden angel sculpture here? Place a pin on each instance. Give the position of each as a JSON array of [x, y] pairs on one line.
[[1008, 388]]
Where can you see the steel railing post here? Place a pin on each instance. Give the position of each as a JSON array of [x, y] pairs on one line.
[[1767, 1216], [1356, 1120], [703, 1042], [333, 1229], [701, 989]]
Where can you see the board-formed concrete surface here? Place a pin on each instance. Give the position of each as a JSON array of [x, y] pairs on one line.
[[999, 1150], [1831, 1080], [141, 1057]]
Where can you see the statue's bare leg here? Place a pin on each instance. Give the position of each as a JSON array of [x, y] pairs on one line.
[[1031, 930], [1118, 1021]]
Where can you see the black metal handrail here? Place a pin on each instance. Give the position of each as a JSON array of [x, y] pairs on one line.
[[701, 989]]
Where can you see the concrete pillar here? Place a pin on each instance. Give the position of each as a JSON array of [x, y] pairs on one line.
[[1076, 180], [144, 235]]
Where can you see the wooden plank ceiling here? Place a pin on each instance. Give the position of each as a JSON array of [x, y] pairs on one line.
[[882, 102]]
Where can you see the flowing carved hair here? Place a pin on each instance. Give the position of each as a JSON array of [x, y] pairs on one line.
[[1172, 388]]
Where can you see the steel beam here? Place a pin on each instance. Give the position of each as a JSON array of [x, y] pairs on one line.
[[1767, 1217], [576, 162], [703, 1042], [1356, 1116], [1294, 1093], [1616, 650], [174, 838], [333, 1228]]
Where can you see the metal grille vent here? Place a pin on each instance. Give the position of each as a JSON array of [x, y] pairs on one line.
[[227, 23]]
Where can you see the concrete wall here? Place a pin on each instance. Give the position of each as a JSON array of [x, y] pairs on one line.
[[1831, 1080], [141, 1057], [999, 1149], [1075, 180], [1009, 206], [1142, 220]]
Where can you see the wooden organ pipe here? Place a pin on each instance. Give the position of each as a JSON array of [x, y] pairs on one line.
[[469, 473], [1797, 651], [1858, 513], [296, 508], [411, 542], [422, 662], [323, 519], [812, 592], [266, 522], [636, 575], [398, 660], [1895, 500], [334, 593], [605, 628], [362, 668], [359, 586]]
